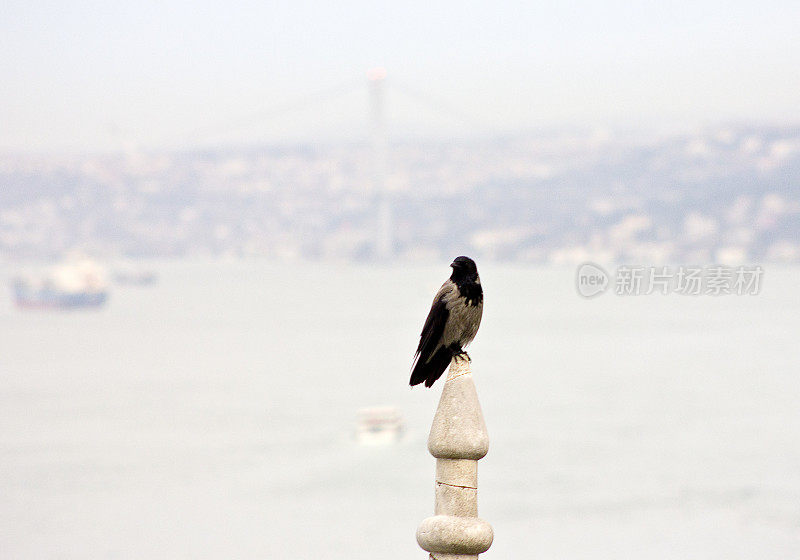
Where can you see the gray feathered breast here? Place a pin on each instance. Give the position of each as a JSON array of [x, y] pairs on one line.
[[464, 315]]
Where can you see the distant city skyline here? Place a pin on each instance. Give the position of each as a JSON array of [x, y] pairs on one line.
[[103, 77], [731, 196]]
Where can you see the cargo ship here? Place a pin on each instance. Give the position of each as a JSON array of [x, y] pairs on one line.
[[71, 285]]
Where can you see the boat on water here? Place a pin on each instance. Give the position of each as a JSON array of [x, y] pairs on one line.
[[379, 425], [77, 284], [129, 274]]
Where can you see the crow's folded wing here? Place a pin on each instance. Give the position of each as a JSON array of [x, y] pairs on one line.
[[431, 335]]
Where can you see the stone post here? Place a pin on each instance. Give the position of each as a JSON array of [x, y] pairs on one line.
[[458, 439]]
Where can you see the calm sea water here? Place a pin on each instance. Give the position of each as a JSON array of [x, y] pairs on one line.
[[211, 416]]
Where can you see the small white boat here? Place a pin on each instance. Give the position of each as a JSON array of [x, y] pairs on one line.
[[379, 425]]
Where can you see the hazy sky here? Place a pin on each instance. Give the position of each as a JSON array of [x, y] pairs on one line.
[[92, 75]]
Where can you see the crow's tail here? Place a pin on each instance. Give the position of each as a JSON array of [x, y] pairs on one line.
[[431, 370]]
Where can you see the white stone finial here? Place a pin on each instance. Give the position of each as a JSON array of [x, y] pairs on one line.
[[458, 439]]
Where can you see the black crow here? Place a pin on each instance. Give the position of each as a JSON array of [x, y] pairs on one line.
[[452, 323]]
